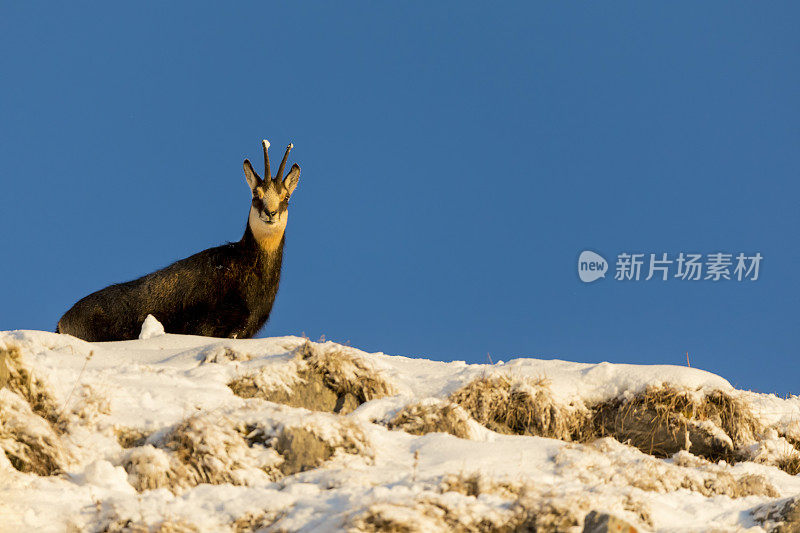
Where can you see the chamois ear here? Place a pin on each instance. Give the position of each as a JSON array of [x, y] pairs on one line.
[[292, 179], [252, 178]]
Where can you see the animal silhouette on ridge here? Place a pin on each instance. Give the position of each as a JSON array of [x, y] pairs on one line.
[[226, 291]]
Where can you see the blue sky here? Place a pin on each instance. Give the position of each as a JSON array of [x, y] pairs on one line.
[[457, 158]]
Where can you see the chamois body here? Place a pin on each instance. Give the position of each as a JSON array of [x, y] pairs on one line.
[[226, 291]]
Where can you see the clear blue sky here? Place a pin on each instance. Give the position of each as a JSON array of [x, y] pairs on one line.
[[457, 157]]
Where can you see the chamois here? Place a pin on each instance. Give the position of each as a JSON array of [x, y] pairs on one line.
[[227, 291]]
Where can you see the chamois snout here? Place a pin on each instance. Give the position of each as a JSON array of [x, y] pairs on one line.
[[269, 216]]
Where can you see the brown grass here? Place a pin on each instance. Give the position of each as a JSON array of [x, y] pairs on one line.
[[308, 390], [664, 420], [659, 421], [528, 507], [303, 448], [149, 468], [522, 407], [252, 522], [201, 450], [547, 515], [5, 368], [553, 512], [331, 379], [213, 451], [345, 373], [128, 437], [528, 512], [608, 462], [29, 441], [424, 418], [22, 381], [29, 419], [216, 450], [789, 463], [426, 514], [478, 483], [129, 525]]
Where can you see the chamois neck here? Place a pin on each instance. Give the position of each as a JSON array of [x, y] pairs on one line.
[[268, 238], [249, 242]]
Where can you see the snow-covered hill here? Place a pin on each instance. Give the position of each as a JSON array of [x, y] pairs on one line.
[[179, 433]]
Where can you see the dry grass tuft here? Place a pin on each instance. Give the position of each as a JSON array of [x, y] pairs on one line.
[[326, 378], [130, 437], [305, 448], [129, 525], [344, 372], [789, 463], [431, 513], [252, 522], [202, 450], [523, 407], [659, 421], [664, 420], [149, 468], [28, 440], [30, 422], [307, 390], [20, 379], [792, 434], [477, 483], [608, 462], [398, 518], [302, 450], [423, 514], [530, 509], [532, 513], [5, 368], [216, 450], [424, 418]]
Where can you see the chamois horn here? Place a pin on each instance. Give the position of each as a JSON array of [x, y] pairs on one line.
[[267, 175], [279, 175]]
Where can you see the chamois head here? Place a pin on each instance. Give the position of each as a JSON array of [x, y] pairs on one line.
[[269, 210]]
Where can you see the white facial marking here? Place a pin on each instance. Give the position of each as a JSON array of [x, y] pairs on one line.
[[268, 235]]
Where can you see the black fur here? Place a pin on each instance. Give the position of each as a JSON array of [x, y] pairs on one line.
[[227, 291]]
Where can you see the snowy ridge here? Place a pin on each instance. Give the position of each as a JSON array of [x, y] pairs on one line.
[[155, 430]]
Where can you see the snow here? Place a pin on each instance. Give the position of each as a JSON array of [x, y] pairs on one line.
[[154, 384], [151, 328]]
